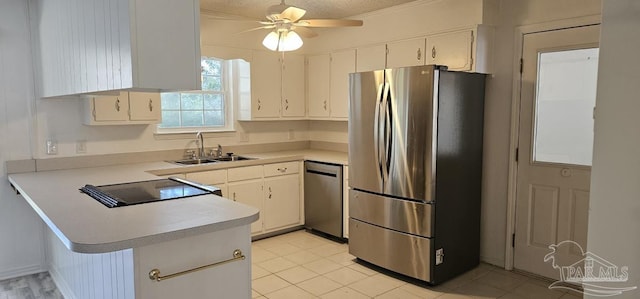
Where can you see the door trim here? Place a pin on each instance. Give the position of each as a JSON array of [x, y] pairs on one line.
[[515, 117]]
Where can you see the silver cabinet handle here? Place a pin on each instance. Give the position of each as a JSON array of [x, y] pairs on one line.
[[269, 192], [118, 104], [259, 105], [283, 170], [155, 273], [150, 105], [433, 52], [324, 105], [419, 54], [286, 106], [234, 196]]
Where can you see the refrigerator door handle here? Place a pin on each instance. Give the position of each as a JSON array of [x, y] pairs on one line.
[[388, 131], [377, 130]]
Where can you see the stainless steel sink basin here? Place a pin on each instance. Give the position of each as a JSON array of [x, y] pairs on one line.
[[195, 161], [232, 158], [211, 160]]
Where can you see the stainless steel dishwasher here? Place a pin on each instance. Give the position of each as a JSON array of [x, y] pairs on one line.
[[323, 197]]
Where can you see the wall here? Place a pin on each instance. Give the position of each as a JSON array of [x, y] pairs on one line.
[[498, 109], [614, 204], [20, 228]]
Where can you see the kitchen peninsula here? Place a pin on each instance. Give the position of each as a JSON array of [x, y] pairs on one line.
[[97, 252]]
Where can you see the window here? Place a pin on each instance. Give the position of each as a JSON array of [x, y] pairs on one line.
[[566, 97], [208, 109]]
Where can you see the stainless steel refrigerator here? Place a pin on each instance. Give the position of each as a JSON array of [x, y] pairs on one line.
[[415, 169]]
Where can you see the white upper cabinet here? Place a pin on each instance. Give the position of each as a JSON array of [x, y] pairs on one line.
[[371, 58], [465, 50], [328, 84], [293, 95], [461, 50], [95, 45], [123, 108], [318, 76], [144, 106], [110, 108], [406, 53], [265, 85], [277, 87], [342, 64]]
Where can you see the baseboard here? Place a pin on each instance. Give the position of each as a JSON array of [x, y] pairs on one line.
[[62, 284], [22, 271]]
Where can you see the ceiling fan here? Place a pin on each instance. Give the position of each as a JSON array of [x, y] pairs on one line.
[[286, 25]]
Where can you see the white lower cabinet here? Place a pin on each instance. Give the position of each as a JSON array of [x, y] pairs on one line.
[[281, 201], [249, 193], [275, 189]]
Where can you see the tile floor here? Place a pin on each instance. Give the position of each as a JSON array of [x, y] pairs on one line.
[[303, 265]]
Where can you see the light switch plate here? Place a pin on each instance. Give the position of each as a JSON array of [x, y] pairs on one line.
[[52, 147]]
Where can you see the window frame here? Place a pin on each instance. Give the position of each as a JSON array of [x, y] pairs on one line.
[[229, 93]]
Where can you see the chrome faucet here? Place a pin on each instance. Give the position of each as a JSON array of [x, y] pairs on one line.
[[200, 144], [219, 151]]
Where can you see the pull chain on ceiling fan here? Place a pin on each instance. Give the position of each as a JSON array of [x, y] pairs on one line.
[[287, 26]]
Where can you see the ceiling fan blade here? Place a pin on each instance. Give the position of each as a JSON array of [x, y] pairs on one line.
[[305, 32], [258, 28], [328, 23], [292, 13]]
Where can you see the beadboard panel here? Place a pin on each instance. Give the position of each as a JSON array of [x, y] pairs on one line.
[[88, 46], [79, 276]]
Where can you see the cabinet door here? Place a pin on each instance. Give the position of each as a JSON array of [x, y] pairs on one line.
[[281, 201], [406, 53], [249, 193], [265, 84], [451, 49], [342, 63], [293, 101], [111, 108], [371, 58], [144, 106], [318, 75]]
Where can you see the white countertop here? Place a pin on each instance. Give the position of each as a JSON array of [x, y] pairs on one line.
[[85, 225]]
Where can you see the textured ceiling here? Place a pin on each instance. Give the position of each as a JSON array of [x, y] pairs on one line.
[[329, 9]]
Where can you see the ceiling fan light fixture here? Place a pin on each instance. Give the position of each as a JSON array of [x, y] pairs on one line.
[[282, 41]]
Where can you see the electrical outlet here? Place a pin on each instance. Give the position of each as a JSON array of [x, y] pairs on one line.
[[52, 147], [81, 146], [439, 256]]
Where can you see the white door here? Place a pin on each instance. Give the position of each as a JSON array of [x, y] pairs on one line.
[[558, 91], [266, 83], [249, 193], [281, 201], [144, 105], [406, 53]]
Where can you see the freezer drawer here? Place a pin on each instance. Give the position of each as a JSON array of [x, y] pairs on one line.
[[403, 253], [412, 217]]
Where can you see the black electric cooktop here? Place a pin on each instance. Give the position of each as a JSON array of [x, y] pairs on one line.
[[125, 194]]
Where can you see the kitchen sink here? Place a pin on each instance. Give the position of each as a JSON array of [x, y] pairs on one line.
[[232, 158], [211, 160], [194, 161]]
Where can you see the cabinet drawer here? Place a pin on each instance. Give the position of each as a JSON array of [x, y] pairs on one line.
[[244, 173], [277, 169], [213, 177]]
